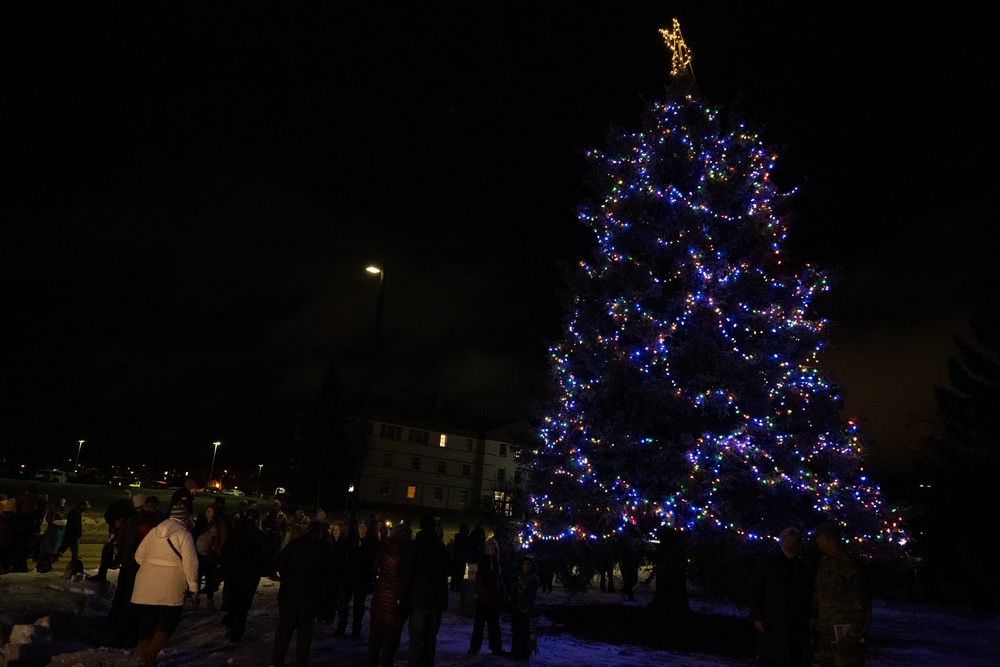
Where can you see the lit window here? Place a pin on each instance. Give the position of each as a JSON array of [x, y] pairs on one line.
[[411, 492], [444, 441], [503, 503]]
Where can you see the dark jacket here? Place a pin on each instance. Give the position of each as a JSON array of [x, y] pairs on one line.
[[135, 528], [524, 591], [242, 554], [460, 548], [31, 507], [477, 543], [301, 567], [338, 550], [489, 580], [359, 556], [74, 523], [425, 578], [781, 591], [388, 572]]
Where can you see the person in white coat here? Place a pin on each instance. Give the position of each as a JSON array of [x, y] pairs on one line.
[[168, 569]]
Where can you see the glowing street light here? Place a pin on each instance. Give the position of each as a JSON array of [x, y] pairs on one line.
[[355, 489], [78, 449], [212, 469]]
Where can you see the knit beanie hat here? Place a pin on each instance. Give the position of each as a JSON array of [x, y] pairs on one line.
[[180, 511]]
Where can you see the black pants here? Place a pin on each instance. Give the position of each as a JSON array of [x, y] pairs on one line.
[[487, 616], [358, 593], [520, 630], [424, 625], [383, 642], [157, 618], [294, 617], [241, 591]]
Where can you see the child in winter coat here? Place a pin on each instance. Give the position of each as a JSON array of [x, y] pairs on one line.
[[522, 599]]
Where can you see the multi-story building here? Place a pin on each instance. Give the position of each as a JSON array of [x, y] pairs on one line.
[[415, 464]]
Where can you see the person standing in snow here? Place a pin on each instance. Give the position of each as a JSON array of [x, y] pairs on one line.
[[301, 568], [523, 592], [424, 593], [490, 594], [123, 616], [168, 571], [781, 590], [74, 530], [242, 559], [386, 616], [842, 602], [211, 536], [459, 558], [48, 546], [360, 554], [275, 525]]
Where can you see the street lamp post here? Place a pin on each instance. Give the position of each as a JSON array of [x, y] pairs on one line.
[[78, 449], [363, 449], [211, 470], [260, 467]]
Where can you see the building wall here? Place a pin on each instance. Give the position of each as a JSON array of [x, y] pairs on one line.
[[415, 469]]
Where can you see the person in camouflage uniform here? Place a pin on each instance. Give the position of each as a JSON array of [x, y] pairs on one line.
[[275, 526], [298, 524], [842, 603]]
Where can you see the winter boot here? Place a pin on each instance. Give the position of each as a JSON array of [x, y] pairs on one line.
[[142, 653], [156, 645]]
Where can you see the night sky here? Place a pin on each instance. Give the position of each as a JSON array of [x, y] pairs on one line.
[[197, 193]]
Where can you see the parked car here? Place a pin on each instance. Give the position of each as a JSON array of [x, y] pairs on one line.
[[234, 492]]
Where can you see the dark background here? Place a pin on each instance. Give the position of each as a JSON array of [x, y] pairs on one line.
[[196, 192]]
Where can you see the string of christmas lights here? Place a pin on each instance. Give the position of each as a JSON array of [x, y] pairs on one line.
[[688, 391]]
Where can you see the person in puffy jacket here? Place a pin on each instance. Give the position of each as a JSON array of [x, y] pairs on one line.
[[490, 594], [168, 571], [387, 616]]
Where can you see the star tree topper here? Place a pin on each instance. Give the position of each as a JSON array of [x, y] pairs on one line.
[[681, 55]]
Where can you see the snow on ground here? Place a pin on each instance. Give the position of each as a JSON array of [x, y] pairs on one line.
[[903, 635]]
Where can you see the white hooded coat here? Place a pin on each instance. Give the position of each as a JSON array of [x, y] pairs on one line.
[[163, 576]]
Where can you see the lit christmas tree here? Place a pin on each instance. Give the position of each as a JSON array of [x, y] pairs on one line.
[[688, 388]]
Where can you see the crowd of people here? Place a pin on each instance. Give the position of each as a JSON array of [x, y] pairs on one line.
[[332, 572]]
